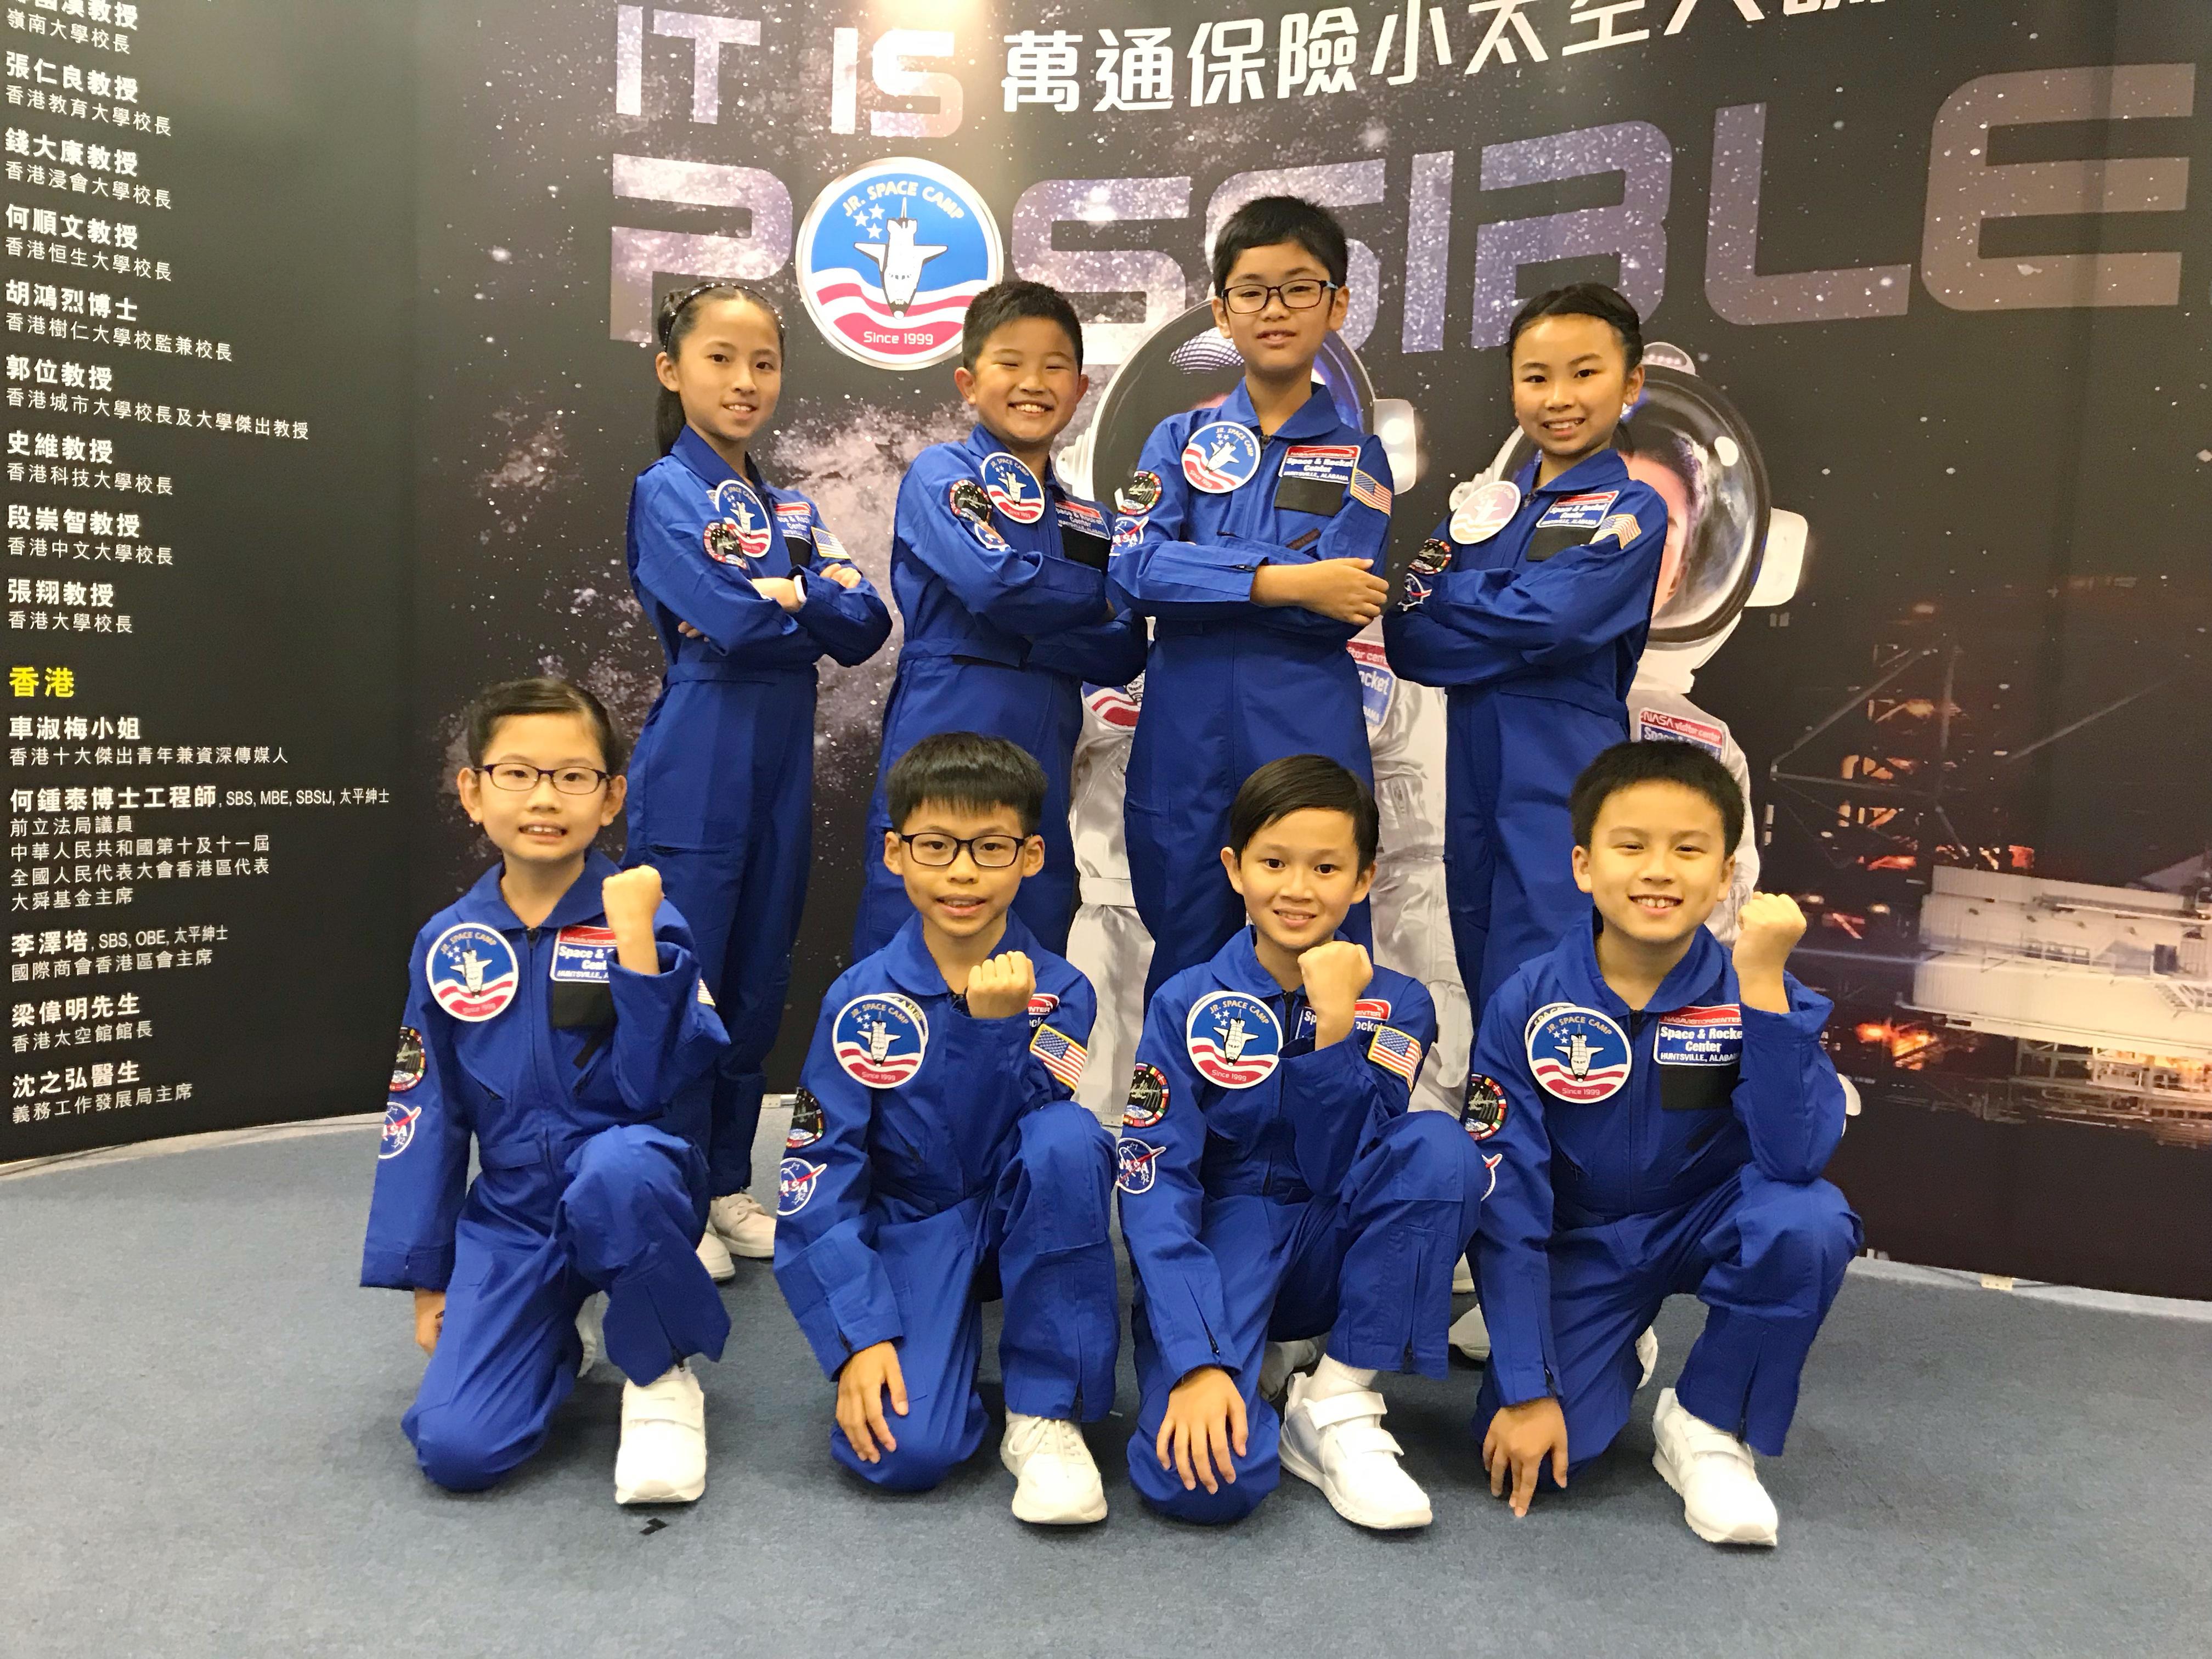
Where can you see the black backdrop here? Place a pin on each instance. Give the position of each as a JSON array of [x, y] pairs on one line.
[[1999, 466]]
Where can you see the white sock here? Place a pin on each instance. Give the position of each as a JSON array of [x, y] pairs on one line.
[[1331, 1378]]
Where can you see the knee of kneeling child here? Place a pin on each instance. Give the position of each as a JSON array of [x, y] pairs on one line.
[[915, 1464], [618, 1162], [454, 1453], [1067, 1138], [1429, 1156], [1813, 1226]]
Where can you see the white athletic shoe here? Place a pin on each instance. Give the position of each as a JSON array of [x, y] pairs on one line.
[[1647, 1354], [1055, 1482], [591, 1326], [1463, 1278], [747, 1229], [1282, 1361], [714, 1257], [1338, 1444], [1471, 1335], [663, 1458], [1715, 1473]]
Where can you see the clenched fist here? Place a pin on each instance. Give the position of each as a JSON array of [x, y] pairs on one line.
[[1000, 987], [841, 574], [631, 897], [1768, 929], [1334, 975]]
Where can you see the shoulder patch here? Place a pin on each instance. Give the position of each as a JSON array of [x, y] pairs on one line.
[[1137, 1163], [409, 1064], [1370, 491], [1139, 495], [1482, 1113], [1060, 1054], [972, 507], [398, 1132], [805, 1122], [1396, 1051], [795, 1179], [1148, 1099]]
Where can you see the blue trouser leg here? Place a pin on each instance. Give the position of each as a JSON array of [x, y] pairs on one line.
[[626, 1221], [1766, 1257], [631, 1217], [1777, 1259], [1411, 1203], [1056, 1254]]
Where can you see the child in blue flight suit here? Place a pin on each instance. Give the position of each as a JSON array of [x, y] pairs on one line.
[[1663, 1112], [938, 1159], [1274, 1185], [1249, 534], [556, 1014], [745, 587], [999, 574], [1530, 606]]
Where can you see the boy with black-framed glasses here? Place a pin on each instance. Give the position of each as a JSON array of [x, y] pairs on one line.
[[938, 1157], [1252, 534]]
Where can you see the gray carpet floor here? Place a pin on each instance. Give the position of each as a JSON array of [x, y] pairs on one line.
[[200, 1454]]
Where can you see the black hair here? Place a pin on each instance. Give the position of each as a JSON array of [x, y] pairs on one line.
[[970, 771], [1584, 300], [542, 694], [1272, 219], [1008, 302], [1300, 783], [677, 315], [1627, 765]]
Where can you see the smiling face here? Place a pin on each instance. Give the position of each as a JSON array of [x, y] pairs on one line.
[[1571, 382], [1277, 341], [728, 370], [1300, 875], [1657, 862], [961, 899], [1025, 386], [542, 825]]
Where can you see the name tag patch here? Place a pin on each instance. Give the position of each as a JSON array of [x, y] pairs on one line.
[[582, 953], [1578, 511], [1701, 1037], [1324, 463]]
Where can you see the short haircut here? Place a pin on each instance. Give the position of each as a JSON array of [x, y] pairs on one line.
[[1010, 302], [1584, 300], [1300, 783], [1272, 219], [1627, 765], [542, 694], [970, 771]]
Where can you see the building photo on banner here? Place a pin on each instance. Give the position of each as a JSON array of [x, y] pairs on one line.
[[337, 337]]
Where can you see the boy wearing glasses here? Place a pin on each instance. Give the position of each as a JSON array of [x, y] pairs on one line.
[[938, 1159], [1251, 533], [556, 1014]]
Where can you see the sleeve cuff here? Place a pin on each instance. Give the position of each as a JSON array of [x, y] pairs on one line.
[[428, 1267], [1517, 1306]]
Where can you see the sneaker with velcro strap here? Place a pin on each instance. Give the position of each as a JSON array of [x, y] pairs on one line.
[[1337, 1442]]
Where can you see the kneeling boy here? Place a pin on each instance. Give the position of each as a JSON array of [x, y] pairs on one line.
[[938, 1157], [1274, 1186], [1665, 1114], [556, 1013]]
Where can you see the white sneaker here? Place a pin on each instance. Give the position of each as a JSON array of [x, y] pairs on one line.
[[1338, 1444], [1716, 1474], [663, 1458], [591, 1326], [1055, 1482], [748, 1229], [714, 1257], [1463, 1278], [1470, 1335], [1647, 1354], [1283, 1360]]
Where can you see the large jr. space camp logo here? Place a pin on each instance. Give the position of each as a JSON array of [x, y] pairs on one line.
[[889, 258]]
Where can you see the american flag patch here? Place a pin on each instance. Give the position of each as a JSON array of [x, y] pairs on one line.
[[1394, 1051], [1372, 491], [1063, 1056]]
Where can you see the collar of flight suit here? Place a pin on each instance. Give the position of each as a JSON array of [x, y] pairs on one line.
[[485, 903], [1237, 967], [1591, 472], [699, 456], [1697, 979], [907, 960], [1318, 417]]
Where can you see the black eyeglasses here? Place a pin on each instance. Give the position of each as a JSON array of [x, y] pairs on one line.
[[988, 852], [1247, 298], [569, 780]]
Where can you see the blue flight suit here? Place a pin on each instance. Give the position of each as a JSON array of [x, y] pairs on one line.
[[1534, 634], [1696, 1173], [721, 787], [586, 1086], [1308, 1201], [1231, 685], [936, 1161], [1005, 621]]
